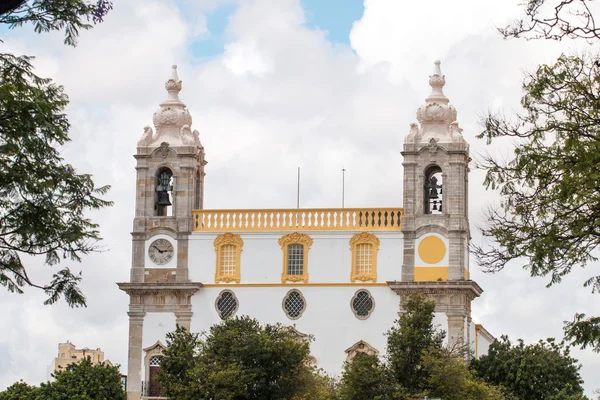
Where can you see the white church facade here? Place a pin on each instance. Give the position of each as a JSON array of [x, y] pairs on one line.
[[335, 274]]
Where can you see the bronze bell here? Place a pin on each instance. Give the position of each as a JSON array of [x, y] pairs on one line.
[[433, 187], [163, 199]]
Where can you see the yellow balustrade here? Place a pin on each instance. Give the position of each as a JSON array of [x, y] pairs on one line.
[[307, 219]]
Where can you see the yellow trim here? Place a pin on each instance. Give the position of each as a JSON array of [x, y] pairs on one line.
[[285, 242], [322, 284], [293, 219], [355, 241], [238, 243], [467, 275], [430, 274], [432, 249]]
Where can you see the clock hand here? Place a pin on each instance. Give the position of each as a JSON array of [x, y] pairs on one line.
[[159, 250]]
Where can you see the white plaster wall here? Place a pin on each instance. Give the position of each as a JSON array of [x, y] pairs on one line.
[[156, 327], [329, 257], [420, 263], [327, 316], [484, 345], [148, 262]]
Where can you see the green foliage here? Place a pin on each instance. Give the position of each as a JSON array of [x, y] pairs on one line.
[[176, 374], [237, 359], [412, 334], [84, 381], [366, 377], [55, 15], [19, 391], [43, 200], [550, 193], [79, 381], [584, 332], [416, 364], [448, 377], [315, 385], [544, 370]]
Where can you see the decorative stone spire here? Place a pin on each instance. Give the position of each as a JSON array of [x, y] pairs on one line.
[[437, 117], [437, 81], [172, 120]]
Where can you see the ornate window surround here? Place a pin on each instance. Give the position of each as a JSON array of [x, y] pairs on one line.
[[153, 351], [360, 347], [287, 240], [355, 241], [238, 243], [361, 317]]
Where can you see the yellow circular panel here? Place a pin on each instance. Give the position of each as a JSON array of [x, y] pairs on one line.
[[432, 249]]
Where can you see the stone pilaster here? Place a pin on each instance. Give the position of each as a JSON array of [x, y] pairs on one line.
[[134, 356], [456, 330], [184, 318]]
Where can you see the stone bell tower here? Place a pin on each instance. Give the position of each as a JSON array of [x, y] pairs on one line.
[[169, 185], [436, 220]]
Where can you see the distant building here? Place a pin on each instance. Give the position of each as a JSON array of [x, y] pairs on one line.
[[68, 354]]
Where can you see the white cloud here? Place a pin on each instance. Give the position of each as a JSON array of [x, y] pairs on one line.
[[279, 95]]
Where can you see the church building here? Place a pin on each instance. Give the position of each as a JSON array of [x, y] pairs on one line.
[[336, 274]]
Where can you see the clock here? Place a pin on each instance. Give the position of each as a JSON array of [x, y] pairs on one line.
[[160, 251]]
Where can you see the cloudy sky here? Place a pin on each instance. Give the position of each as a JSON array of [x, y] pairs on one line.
[[273, 85]]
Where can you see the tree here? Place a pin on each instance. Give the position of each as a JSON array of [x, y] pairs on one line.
[[43, 200], [19, 391], [544, 370], [84, 381], [411, 336], [448, 377], [366, 377], [550, 189], [176, 374], [236, 359], [416, 364]]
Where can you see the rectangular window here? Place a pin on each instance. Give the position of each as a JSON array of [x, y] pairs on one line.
[[364, 251], [228, 260], [295, 259]]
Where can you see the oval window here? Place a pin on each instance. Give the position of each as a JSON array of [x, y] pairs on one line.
[[226, 304], [294, 304], [362, 304]]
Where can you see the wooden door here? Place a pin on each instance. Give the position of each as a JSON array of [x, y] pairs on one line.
[[155, 388]]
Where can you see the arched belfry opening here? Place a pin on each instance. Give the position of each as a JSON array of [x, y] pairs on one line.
[[164, 192], [433, 190]]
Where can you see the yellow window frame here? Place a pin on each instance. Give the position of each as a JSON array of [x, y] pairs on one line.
[[287, 240], [224, 240], [355, 242]]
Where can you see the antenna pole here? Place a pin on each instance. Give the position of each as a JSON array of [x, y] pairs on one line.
[[343, 186], [298, 197]]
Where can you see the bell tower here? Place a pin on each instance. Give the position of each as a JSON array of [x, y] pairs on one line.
[[436, 221], [169, 185]]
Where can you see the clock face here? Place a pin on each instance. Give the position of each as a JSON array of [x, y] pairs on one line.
[[161, 251]]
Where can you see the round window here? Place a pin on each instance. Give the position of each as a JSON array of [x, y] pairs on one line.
[[294, 304], [362, 304], [226, 304]]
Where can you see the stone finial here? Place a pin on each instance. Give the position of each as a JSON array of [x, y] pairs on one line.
[[436, 109], [437, 82], [173, 86]]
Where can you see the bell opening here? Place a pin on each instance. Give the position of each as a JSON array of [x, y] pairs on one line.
[[163, 193], [433, 190]]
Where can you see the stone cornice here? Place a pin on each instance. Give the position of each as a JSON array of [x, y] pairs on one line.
[[437, 288], [154, 289]]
